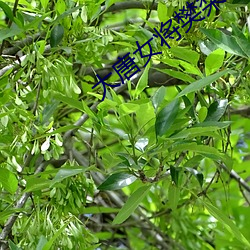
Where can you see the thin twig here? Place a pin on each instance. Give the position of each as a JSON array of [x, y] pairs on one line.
[[148, 13]]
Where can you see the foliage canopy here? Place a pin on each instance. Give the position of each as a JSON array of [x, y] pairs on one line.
[[161, 163]]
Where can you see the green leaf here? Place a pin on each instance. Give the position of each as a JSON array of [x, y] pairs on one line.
[[173, 196], [108, 3], [158, 97], [33, 183], [132, 203], [70, 101], [13, 246], [240, 2], [177, 74], [174, 172], [194, 161], [56, 35], [216, 110], [237, 32], [193, 132], [219, 125], [49, 110], [41, 243], [143, 82], [19, 20], [49, 244], [56, 131], [44, 3], [9, 32], [202, 114], [207, 46], [204, 150], [166, 117], [162, 12], [198, 175], [186, 54], [214, 61], [223, 41], [8, 180], [98, 210], [188, 105], [117, 181], [7, 10], [66, 172], [227, 223], [189, 68], [197, 85], [36, 21], [9, 211], [128, 108], [244, 45]]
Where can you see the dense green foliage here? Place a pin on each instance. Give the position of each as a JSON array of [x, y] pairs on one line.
[[161, 163]]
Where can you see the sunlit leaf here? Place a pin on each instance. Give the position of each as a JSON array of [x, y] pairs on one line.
[[186, 54], [5, 214], [44, 3], [223, 41], [141, 144], [8, 180], [214, 61], [162, 12], [117, 181], [158, 97]]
